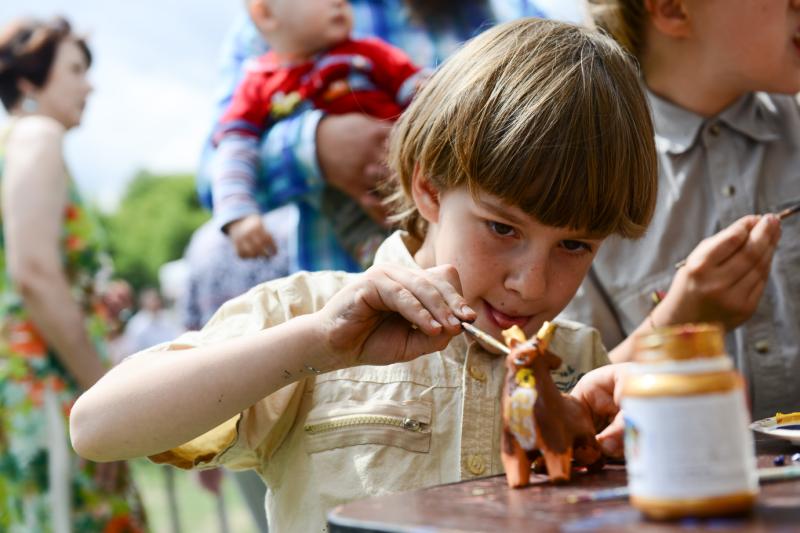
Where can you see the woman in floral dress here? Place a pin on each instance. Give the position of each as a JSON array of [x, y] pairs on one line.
[[52, 318]]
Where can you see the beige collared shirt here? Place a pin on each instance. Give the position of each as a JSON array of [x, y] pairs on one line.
[[366, 430], [712, 172]]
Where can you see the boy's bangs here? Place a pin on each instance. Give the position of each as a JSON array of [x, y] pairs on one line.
[[546, 116], [573, 157], [581, 179]]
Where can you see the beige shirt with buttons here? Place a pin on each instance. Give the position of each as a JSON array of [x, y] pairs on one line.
[[711, 173], [366, 430]]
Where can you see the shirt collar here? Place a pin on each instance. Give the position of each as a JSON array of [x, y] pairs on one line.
[[754, 115], [397, 249]]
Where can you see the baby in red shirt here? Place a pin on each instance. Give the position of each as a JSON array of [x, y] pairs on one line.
[[312, 63]]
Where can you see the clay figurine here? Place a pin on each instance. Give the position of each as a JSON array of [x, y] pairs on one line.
[[540, 423]]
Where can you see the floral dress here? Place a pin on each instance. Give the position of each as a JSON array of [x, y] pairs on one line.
[[44, 486]]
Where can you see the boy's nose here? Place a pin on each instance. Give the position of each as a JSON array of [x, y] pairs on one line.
[[529, 281]]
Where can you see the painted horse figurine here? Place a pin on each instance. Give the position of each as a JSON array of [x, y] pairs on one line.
[[541, 423]]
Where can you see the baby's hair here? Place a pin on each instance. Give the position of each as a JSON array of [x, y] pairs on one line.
[[547, 116], [27, 50]]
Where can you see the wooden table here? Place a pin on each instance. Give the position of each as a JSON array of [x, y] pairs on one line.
[[487, 504]]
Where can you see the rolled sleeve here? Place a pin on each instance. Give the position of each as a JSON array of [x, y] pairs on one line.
[[244, 441]]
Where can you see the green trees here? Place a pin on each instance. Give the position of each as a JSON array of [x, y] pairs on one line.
[[152, 225]]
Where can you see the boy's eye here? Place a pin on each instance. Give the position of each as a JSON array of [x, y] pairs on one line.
[[576, 246], [501, 229]]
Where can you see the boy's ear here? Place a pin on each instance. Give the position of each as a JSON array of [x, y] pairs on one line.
[[426, 196], [261, 14], [669, 17]]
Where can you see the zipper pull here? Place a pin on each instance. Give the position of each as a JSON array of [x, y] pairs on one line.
[[411, 425]]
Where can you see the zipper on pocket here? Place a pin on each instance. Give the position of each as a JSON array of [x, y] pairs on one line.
[[346, 421]]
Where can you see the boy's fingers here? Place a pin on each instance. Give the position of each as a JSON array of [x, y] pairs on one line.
[[752, 260], [611, 438], [447, 280], [429, 296], [720, 247], [419, 344], [752, 283], [395, 297]]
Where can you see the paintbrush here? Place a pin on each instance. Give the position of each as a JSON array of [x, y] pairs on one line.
[[485, 337], [786, 213], [789, 211]]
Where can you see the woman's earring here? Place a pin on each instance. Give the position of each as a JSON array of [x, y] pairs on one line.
[[30, 105]]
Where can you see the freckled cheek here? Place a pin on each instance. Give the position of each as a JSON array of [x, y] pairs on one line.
[[568, 282], [480, 276]]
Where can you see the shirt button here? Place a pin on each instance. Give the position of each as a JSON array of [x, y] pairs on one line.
[[762, 346], [476, 465], [728, 190], [476, 373], [714, 129]]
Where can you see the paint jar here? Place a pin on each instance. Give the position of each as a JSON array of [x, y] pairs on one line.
[[688, 448]]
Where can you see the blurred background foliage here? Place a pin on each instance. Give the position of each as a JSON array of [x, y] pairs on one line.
[[152, 225]]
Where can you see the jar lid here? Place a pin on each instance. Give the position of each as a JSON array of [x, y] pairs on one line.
[[686, 341]]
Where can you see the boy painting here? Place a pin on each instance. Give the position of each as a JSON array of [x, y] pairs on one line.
[[527, 148]]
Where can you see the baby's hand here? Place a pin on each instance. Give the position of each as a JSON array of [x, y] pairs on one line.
[[392, 314], [724, 277], [250, 238]]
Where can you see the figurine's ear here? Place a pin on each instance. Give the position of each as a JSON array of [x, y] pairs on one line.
[[553, 361], [514, 333]]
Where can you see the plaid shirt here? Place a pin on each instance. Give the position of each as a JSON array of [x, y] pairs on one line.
[[289, 168]]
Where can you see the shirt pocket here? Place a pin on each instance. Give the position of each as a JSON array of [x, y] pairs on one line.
[[405, 424], [635, 302]]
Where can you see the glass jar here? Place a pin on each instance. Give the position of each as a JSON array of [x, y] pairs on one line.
[[688, 448]]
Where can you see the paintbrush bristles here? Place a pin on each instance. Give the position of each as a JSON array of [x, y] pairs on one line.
[[789, 211]]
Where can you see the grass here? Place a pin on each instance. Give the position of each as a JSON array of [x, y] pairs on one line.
[[197, 507]]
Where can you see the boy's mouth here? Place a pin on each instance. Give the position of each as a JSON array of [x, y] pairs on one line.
[[504, 321]]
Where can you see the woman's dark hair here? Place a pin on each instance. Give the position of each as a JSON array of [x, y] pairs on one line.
[[27, 50]]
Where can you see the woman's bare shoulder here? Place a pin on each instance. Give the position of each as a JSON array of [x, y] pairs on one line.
[[37, 131]]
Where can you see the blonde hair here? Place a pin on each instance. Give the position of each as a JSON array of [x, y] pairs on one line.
[[623, 19], [547, 116]]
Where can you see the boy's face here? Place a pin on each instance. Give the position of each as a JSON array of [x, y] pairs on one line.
[[312, 25], [753, 44], [513, 269]]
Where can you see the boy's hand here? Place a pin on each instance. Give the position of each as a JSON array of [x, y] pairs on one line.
[[250, 238], [392, 314], [351, 149], [601, 391], [724, 277]]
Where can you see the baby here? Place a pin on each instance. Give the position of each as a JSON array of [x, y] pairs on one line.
[[312, 63]]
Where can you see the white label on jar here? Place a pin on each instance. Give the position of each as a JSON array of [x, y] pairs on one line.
[[686, 447]]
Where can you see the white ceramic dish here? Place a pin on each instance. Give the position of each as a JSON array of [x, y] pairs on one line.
[[786, 430]]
